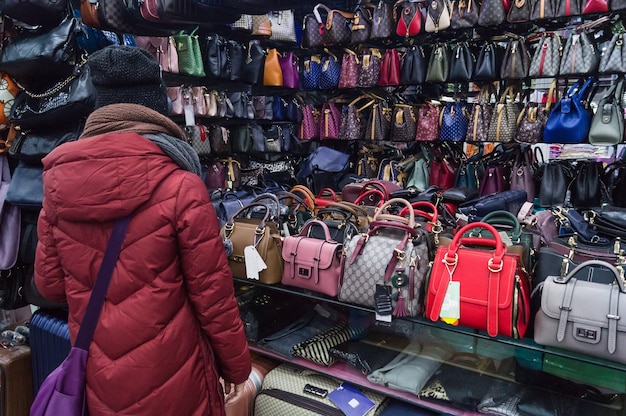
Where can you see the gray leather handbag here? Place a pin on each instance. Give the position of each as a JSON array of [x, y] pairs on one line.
[[607, 124], [583, 316]]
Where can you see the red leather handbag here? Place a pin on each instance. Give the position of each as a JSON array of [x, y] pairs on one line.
[[390, 69], [596, 6], [311, 263], [484, 288], [409, 18]]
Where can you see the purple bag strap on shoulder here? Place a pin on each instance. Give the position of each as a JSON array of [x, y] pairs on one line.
[[96, 300]]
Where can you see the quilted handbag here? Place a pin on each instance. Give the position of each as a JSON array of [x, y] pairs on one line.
[[330, 71], [582, 316], [484, 289], [454, 121], [546, 59], [255, 252], [311, 71], [283, 26], [503, 121], [570, 120], [607, 124], [311, 263], [386, 267]]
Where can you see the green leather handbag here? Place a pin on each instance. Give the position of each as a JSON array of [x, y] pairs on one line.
[[189, 55]]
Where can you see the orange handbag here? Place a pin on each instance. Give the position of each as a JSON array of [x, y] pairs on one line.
[[272, 74], [484, 288]]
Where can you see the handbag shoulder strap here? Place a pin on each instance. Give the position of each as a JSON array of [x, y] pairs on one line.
[[99, 291]]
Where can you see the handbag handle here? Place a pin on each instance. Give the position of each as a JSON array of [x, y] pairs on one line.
[[282, 195], [613, 269], [431, 215], [369, 195], [327, 192], [356, 210], [229, 225], [309, 197], [317, 14], [501, 217], [495, 263], [305, 230], [401, 201]]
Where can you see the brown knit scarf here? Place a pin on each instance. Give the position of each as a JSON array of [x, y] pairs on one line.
[[124, 117]]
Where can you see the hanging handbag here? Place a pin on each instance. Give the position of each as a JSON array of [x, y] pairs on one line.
[[31, 146], [495, 179], [519, 12], [330, 72], [311, 70], [595, 6], [522, 175], [44, 13], [403, 126], [554, 182], [283, 26], [613, 59], [570, 120], [190, 60], [63, 392], [68, 100], [216, 57], [428, 122], [309, 126], [464, 14], [438, 64], [56, 50], [516, 61], [580, 53], [330, 121], [272, 73], [253, 239], [311, 263], [607, 124], [252, 69], [235, 52], [532, 119], [361, 24], [369, 71], [289, 67], [390, 68], [546, 59], [375, 263], [503, 121], [586, 187], [219, 139], [461, 63], [9, 220], [482, 110], [414, 66], [489, 62], [454, 121], [311, 32], [378, 126], [475, 287], [581, 316], [197, 137], [437, 16], [349, 74], [335, 29], [492, 13], [569, 8], [383, 25], [352, 121], [408, 16], [543, 9]]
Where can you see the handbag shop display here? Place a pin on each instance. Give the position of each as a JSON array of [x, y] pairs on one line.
[[336, 161]]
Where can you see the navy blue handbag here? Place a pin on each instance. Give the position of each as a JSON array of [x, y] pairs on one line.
[[330, 72]]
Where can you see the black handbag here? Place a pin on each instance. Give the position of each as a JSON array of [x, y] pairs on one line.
[[26, 189], [489, 62], [414, 66], [46, 13], [235, 56], [11, 287], [361, 24], [586, 186], [55, 50], [461, 63], [383, 25], [32, 146], [253, 64], [66, 101], [554, 181], [216, 63]]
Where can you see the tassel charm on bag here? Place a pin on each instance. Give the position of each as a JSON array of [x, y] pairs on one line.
[[400, 281]]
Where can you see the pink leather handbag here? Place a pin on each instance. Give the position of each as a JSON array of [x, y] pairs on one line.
[[311, 263]]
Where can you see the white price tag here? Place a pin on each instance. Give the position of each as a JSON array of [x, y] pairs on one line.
[[254, 262], [190, 117], [451, 307]]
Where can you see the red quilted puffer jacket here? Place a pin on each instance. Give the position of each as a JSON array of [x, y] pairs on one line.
[[170, 324]]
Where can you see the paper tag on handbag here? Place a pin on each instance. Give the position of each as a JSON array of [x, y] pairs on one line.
[[505, 238], [254, 262], [190, 117], [451, 307]]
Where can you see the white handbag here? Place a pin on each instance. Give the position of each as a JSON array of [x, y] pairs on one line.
[[283, 26]]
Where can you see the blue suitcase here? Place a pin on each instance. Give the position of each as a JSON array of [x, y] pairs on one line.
[[49, 342]]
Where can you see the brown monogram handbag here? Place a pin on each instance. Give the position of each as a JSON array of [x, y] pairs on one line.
[[428, 122], [504, 118]]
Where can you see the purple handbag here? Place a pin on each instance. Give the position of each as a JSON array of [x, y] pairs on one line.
[[63, 391], [10, 217], [289, 65]]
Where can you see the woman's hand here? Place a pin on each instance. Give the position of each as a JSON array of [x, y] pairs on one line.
[[233, 391]]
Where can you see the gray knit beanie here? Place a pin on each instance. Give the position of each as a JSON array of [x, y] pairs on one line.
[[127, 74]]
